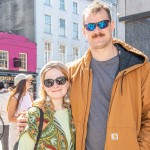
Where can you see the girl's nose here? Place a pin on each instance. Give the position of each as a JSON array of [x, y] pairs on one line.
[[55, 85]]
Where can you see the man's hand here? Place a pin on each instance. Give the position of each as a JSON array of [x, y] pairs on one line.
[[21, 121]]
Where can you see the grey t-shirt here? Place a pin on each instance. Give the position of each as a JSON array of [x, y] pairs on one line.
[[103, 78]]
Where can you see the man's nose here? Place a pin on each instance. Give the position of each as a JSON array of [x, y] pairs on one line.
[[97, 29]]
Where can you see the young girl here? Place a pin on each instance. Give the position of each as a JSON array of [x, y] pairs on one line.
[[58, 131]]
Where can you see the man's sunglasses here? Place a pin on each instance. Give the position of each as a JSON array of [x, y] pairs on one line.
[[60, 81], [102, 24]]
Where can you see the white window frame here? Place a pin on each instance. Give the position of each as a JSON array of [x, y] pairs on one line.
[[47, 2], [5, 60], [75, 31], [48, 24], [75, 9], [23, 62], [47, 51], [62, 5], [62, 29], [62, 53]]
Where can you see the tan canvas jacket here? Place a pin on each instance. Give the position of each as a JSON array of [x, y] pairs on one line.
[[128, 124]]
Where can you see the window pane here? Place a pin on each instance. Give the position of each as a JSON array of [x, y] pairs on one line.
[[47, 2], [62, 53], [47, 52], [3, 59], [47, 24], [62, 23], [75, 30], [62, 27], [75, 26], [62, 4], [23, 58], [62, 31], [75, 7], [75, 53], [47, 19]]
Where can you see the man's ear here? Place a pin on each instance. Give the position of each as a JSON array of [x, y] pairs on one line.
[[112, 25]]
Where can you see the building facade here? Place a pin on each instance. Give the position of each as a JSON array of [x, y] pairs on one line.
[[135, 15], [16, 56], [55, 25]]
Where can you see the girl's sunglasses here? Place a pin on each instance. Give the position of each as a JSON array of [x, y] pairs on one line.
[[60, 81], [102, 24]]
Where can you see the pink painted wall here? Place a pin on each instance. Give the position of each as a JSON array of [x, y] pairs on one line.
[[16, 44]]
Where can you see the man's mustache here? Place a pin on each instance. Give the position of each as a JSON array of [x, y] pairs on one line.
[[98, 34]]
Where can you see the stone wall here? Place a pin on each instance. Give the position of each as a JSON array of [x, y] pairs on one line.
[[17, 16], [137, 34]]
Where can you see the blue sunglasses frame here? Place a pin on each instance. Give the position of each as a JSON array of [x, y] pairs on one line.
[[102, 25]]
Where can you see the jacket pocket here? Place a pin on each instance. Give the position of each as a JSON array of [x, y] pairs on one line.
[[121, 139]]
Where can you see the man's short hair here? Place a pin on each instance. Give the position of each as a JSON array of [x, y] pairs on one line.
[[95, 8], [1, 85]]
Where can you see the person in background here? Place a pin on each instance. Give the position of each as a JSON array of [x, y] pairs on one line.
[[58, 129], [4, 96], [20, 100], [110, 89]]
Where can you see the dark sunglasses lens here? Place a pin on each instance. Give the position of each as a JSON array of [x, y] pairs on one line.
[[48, 83], [103, 24], [61, 80], [90, 26]]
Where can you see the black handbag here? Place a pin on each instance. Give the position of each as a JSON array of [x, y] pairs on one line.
[[39, 133]]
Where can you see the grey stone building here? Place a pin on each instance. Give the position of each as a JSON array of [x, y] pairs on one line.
[[17, 16], [135, 15]]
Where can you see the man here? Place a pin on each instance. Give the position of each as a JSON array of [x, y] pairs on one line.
[[110, 89], [4, 96], [110, 95]]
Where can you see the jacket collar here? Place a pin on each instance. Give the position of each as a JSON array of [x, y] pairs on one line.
[[128, 56]]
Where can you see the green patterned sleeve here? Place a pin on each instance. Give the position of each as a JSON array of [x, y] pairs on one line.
[[28, 137], [33, 122]]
